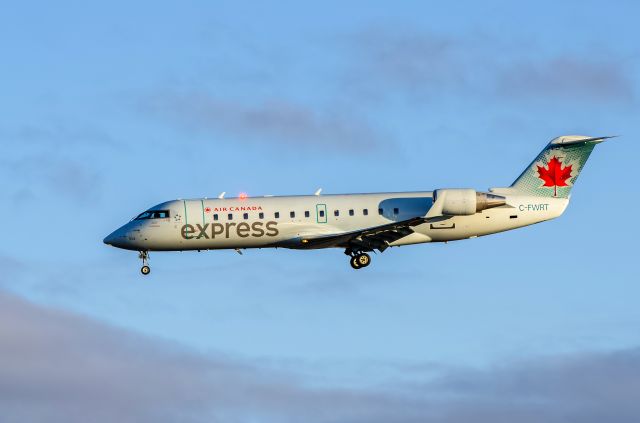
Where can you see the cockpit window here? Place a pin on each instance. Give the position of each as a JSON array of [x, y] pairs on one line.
[[153, 214], [142, 216]]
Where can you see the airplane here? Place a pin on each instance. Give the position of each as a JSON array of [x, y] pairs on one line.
[[361, 223]]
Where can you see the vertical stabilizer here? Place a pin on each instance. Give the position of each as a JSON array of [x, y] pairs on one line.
[[554, 172]]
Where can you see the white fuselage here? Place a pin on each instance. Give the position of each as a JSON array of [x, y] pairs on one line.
[[362, 223], [259, 222]]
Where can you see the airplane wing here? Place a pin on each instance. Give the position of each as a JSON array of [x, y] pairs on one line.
[[369, 239]]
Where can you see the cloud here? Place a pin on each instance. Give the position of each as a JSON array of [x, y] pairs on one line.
[[74, 180], [58, 136], [61, 367], [278, 121], [11, 268], [567, 78], [371, 71], [42, 174], [588, 387], [54, 159], [418, 64], [426, 66]]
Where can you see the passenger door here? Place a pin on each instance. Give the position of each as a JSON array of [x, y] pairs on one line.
[[321, 213]]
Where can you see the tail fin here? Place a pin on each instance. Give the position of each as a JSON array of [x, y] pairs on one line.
[[556, 169]]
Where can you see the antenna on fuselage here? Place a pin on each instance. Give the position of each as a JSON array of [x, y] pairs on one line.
[[221, 196], [318, 191]]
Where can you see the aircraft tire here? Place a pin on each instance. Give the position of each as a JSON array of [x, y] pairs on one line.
[[363, 259], [145, 270], [354, 262]]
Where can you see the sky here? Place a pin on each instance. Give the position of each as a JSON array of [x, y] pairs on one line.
[[108, 109]]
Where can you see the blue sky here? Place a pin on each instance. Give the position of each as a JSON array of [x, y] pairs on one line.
[[110, 109]]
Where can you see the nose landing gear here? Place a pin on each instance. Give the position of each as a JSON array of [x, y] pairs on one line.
[[145, 269]]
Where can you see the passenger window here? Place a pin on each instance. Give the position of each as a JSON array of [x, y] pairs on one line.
[[215, 217], [292, 214], [380, 212], [306, 213], [365, 212], [261, 215], [336, 212], [246, 216], [396, 210], [351, 212], [230, 216], [276, 215], [321, 213]]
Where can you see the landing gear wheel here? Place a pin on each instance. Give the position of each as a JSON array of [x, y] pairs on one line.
[[144, 256], [354, 262], [360, 260], [363, 259]]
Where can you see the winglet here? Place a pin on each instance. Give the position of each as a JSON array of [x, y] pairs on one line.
[[221, 196], [318, 191]]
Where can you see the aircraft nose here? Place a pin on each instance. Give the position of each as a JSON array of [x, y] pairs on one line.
[[108, 239], [117, 238], [111, 238]]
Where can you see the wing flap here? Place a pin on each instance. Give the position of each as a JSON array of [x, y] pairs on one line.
[[369, 239]]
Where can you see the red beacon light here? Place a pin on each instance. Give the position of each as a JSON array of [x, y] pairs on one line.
[[243, 196]]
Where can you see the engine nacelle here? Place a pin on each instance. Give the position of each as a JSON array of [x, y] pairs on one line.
[[465, 202]]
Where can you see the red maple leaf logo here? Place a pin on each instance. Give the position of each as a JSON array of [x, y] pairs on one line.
[[207, 210], [554, 175]]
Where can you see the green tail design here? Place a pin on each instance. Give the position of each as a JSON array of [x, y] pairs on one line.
[[556, 169]]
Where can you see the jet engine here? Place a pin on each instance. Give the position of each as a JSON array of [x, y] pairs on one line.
[[465, 202]]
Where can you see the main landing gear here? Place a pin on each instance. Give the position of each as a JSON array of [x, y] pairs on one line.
[[145, 269], [359, 260]]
